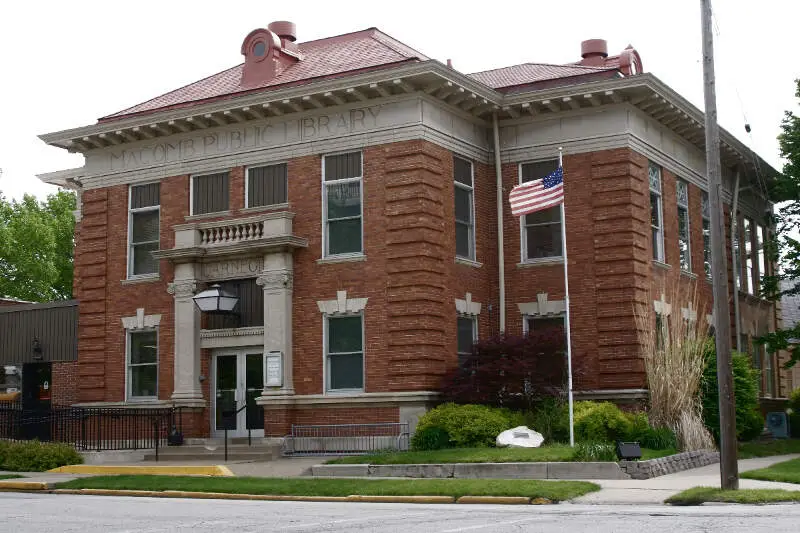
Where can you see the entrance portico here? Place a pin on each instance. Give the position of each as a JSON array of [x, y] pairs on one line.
[[256, 248]]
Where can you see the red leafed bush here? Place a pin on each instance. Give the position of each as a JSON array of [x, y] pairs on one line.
[[511, 371]]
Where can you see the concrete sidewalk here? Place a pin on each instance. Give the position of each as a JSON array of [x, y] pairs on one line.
[[656, 490]]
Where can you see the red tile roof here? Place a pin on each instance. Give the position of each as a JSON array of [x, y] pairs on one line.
[[531, 73], [360, 51], [329, 57]]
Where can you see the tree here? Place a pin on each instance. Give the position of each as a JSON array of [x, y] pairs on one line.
[[784, 247], [511, 371], [36, 247]]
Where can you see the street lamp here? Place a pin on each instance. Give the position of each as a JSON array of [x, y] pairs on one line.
[[215, 300]]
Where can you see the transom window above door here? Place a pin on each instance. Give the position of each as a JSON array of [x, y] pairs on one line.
[[210, 193]]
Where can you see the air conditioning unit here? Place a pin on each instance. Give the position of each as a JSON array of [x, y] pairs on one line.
[[778, 425], [11, 371]]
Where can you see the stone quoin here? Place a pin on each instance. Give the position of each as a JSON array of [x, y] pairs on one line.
[[345, 191]]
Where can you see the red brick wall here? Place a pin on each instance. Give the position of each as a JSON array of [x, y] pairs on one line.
[[64, 383], [410, 275], [278, 421]]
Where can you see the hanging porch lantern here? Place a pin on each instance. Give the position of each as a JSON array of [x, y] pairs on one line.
[[215, 300]]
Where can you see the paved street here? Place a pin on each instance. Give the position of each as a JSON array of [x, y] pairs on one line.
[[108, 514]]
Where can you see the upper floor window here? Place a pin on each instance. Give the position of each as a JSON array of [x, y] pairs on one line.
[[737, 255], [748, 254], [761, 237], [706, 213], [210, 193], [266, 185], [656, 212], [684, 235], [464, 208], [143, 229], [541, 231], [342, 204]]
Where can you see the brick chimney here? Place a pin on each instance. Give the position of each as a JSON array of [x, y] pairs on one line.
[[594, 52]]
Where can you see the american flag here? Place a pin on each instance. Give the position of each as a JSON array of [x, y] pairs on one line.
[[537, 195]]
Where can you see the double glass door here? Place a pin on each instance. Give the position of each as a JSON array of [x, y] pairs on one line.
[[238, 380]]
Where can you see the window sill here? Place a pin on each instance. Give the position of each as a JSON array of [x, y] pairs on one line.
[[341, 259], [204, 216], [262, 208], [690, 275], [355, 393], [144, 278], [468, 262], [661, 264], [544, 261]]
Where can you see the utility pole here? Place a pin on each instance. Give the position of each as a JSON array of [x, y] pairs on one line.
[[729, 468]]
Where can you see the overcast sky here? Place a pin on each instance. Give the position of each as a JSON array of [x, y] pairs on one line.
[[64, 64]]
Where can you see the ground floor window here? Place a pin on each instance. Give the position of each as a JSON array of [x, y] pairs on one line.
[[467, 335], [143, 364], [345, 353], [543, 323]]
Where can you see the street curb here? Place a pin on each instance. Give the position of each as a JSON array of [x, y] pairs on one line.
[[23, 485], [401, 499], [506, 500], [354, 498], [209, 470]]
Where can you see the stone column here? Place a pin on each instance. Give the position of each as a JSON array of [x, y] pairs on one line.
[[277, 280], [187, 392]]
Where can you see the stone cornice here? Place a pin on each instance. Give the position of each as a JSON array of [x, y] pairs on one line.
[[459, 92], [195, 252]]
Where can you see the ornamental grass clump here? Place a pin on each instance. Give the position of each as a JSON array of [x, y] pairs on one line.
[[673, 342]]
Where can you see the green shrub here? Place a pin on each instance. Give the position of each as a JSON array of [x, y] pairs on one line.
[[35, 456], [658, 438], [430, 438], [794, 414], [468, 425], [749, 422], [600, 422], [595, 451], [550, 418]]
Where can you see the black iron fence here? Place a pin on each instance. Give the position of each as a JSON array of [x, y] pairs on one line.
[[92, 428], [346, 439]]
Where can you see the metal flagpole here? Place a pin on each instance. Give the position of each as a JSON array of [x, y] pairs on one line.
[[566, 304]]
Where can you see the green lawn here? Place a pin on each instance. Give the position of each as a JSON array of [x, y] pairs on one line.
[[787, 471], [552, 490], [748, 450], [698, 495], [9, 476], [550, 453]]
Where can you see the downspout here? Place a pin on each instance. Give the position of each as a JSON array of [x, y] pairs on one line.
[[734, 230], [501, 274]]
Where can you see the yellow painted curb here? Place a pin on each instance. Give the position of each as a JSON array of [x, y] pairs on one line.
[[513, 500], [541, 501], [23, 485], [209, 470], [400, 499], [287, 498]]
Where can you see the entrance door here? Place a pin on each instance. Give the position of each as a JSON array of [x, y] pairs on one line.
[[238, 381], [36, 394]]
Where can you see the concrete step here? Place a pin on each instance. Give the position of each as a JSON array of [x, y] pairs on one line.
[[236, 452]]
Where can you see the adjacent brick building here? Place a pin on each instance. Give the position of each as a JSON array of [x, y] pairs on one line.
[[347, 190]]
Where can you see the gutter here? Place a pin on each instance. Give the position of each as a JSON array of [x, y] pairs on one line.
[[501, 275]]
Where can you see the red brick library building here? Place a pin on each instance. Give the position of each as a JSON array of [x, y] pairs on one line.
[[352, 194]]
